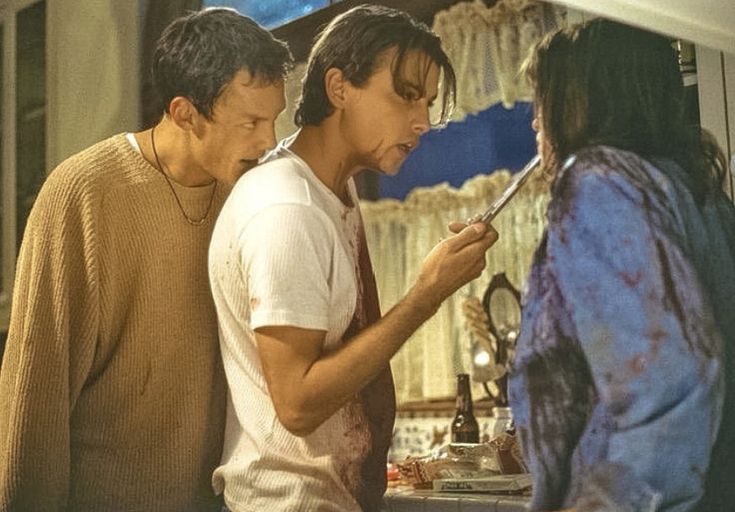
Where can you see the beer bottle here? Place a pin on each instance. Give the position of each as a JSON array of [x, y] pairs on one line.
[[464, 426]]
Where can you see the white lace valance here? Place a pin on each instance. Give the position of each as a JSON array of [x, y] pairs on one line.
[[487, 46]]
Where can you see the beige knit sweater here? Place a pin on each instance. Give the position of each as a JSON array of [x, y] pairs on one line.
[[112, 395]]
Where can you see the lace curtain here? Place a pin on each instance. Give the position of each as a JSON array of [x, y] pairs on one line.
[[487, 45], [401, 234]]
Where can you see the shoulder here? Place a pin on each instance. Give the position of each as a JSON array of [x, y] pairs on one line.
[[99, 160], [600, 175], [601, 164], [280, 178], [277, 182], [95, 168], [607, 178], [69, 203]]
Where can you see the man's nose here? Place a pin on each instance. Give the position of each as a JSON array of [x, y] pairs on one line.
[[267, 139], [421, 123]]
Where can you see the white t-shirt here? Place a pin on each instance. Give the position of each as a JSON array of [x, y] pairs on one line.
[[284, 252]]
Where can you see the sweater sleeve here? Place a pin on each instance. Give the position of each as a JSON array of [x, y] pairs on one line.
[[50, 344]]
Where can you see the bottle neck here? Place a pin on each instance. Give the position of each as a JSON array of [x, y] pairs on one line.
[[464, 395]]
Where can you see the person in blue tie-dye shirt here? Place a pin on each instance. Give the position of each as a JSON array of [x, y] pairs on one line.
[[622, 386]]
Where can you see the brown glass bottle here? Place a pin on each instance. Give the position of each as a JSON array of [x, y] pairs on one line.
[[464, 426]]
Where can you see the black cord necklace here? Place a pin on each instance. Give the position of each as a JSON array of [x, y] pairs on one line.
[[193, 222]]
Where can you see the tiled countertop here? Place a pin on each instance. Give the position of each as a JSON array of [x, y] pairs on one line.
[[431, 501]]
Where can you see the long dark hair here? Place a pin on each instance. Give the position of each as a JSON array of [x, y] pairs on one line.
[[355, 42], [605, 83]]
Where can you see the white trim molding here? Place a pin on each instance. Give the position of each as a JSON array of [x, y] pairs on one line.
[[706, 22]]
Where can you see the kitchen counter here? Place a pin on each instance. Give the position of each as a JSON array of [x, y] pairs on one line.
[[432, 501]]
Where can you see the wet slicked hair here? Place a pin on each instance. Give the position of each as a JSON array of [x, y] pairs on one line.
[[355, 42], [198, 54], [606, 83]]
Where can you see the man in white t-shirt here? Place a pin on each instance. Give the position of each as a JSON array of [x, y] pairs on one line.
[[306, 353]]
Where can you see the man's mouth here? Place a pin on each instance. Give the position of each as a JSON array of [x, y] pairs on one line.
[[407, 147]]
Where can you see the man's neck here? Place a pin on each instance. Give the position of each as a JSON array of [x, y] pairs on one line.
[[165, 147], [328, 156]]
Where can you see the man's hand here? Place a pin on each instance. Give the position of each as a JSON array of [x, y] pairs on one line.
[[454, 262], [457, 226]]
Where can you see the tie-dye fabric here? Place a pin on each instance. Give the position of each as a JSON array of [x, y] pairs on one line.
[[619, 384]]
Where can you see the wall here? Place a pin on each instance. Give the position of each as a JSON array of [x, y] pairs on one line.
[[93, 78], [716, 85]]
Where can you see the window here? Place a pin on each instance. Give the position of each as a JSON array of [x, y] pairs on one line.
[[30, 100], [273, 13]]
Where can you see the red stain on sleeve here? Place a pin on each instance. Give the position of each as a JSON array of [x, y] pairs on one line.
[[631, 279]]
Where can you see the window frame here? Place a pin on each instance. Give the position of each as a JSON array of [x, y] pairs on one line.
[[9, 10]]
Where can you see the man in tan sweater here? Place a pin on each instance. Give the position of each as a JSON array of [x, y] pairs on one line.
[[112, 393]]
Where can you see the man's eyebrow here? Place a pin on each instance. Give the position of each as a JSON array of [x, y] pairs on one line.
[[246, 112], [421, 91], [256, 118]]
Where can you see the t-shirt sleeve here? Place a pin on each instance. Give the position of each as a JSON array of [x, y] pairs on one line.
[[286, 254]]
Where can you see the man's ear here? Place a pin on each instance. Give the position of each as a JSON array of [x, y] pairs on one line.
[[183, 113], [336, 87]]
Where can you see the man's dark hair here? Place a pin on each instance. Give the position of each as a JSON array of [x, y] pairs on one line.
[[198, 54], [355, 42]]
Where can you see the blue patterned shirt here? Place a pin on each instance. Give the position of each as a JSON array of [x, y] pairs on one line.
[[618, 385]]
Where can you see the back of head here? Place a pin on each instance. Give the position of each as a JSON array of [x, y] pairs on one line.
[[198, 54], [607, 83], [355, 42]]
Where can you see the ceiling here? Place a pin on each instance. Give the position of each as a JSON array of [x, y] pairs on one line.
[[707, 22]]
